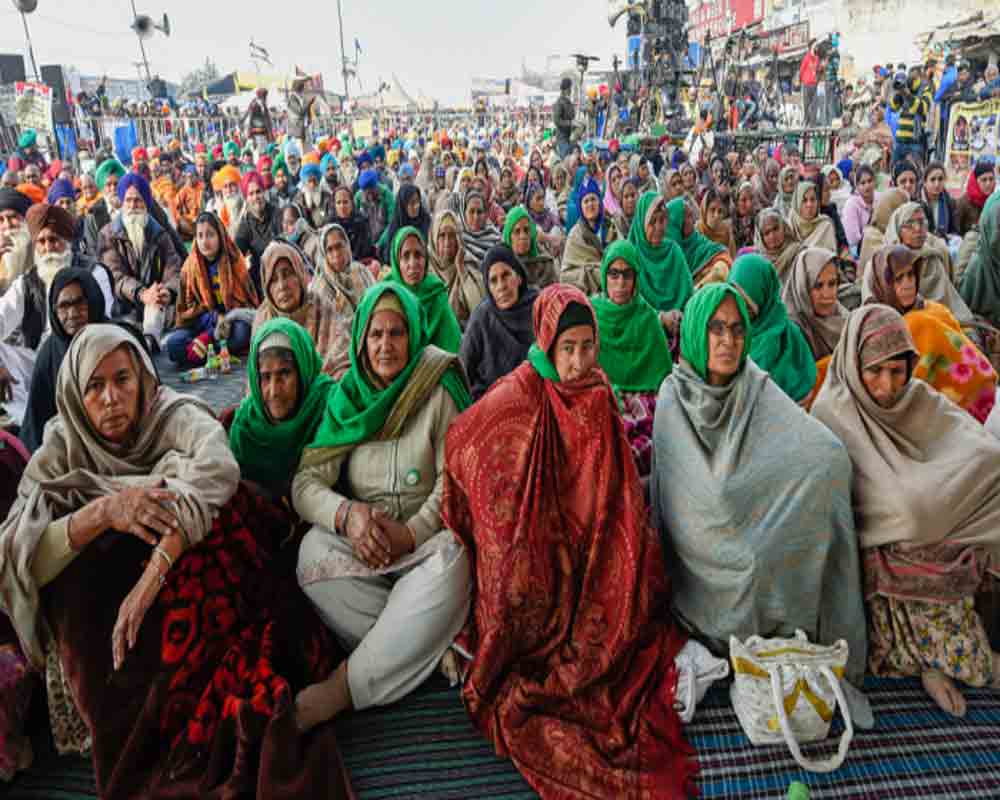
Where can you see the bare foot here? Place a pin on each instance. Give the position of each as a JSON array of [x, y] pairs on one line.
[[450, 667], [322, 701], [943, 691]]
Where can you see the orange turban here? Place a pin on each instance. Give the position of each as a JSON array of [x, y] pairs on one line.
[[228, 174]]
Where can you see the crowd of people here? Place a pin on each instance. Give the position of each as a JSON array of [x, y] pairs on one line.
[[532, 413]]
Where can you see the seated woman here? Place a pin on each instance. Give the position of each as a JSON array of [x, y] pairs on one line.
[[707, 261], [296, 229], [980, 185], [809, 227], [409, 270], [447, 260], [379, 565], [478, 233], [354, 223], [713, 224], [520, 234], [547, 226], [925, 552], [873, 238], [775, 242], [908, 227], [280, 415], [744, 220], [339, 282], [949, 361], [129, 530], [285, 280], [214, 284], [777, 345], [621, 222], [980, 287], [581, 264], [499, 332], [635, 354], [737, 505], [788, 181], [75, 301], [571, 649], [408, 211]]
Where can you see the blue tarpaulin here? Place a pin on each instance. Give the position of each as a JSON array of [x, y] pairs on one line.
[[126, 138], [66, 139]]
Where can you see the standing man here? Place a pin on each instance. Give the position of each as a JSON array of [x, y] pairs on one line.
[[298, 112], [260, 128], [562, 117], [809, 77]]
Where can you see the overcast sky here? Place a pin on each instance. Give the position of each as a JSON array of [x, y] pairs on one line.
[[433, 46]]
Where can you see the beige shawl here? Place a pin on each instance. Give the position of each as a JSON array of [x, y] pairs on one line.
[[783, 258], [874, 234], [933, 261], [816, 232], [822, 333], [462, 275], [581, 264], [315, 313], [925, 471], [177, 441]]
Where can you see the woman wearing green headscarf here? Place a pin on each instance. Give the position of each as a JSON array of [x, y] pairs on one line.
[[520, 234], [779, 346], [288, 393], [708, 261], [634, 351], [409, 270], [379, 567], [980, 287], [760, 525], [664, 278]]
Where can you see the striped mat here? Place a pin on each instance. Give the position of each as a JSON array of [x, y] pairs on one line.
[[426, 747]]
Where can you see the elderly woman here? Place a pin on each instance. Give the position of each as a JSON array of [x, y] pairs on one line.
[[775, 242], [708, 261], [777, 345], [75, 301], [409, 270], [339, 282], [581, 265], [561, 188], [634, 354], [908, 227], [925, 551], [671, 183], [288, 394], [949, 360], [873, 237], [809, 227], [286, 294], [520, 234], [788, 181], [146, 585], [761, 525], [561, 681], [379, 566], [499, 332], [621, 222], [766, 184], [447, 260], [744, 220], [214, 283]]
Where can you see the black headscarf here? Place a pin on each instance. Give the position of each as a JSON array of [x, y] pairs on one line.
[[356, 226], [13, 199], [401, 219], [495, 341], [42, 396]]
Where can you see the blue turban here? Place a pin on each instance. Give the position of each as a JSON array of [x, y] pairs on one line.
[[365, 158], [140, 183], [292, 149], [845, 166], [329, 160], [60, 189], [368, 179], [377, 151], [406, 171], [311, 171]]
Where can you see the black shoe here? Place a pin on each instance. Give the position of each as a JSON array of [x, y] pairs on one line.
[[152, 345]]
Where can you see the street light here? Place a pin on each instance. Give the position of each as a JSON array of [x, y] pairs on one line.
[[25, 7]]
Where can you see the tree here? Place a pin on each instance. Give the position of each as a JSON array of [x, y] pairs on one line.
[[197, 77]]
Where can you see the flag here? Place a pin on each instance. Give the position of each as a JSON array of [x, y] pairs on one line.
[[357, 46]]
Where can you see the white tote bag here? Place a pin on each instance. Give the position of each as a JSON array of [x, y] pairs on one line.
[[787, 690]]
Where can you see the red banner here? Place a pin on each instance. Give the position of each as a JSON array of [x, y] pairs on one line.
[[721, 17]]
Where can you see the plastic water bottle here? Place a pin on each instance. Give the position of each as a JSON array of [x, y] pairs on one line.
[[211, 363], [225, 360]]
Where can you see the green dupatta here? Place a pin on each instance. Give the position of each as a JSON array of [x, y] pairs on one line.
[[664, 277], [698, 249]]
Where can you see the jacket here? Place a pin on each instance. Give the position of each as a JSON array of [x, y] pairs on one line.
[[134, 272]]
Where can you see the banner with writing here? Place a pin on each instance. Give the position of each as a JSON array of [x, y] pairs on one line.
[[972, 135], [33, 106]]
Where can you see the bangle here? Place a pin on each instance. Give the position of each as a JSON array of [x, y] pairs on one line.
[[347, 516], [163, 554], [69, 539]]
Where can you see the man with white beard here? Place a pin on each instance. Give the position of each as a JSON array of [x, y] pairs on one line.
[[24, 310], [107, 176], [226, 182], [315, 203], [14, 237], [144, 265]]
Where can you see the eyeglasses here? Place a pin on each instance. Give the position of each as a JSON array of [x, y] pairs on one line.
[[916, 224], [622, 274], [718, 328]]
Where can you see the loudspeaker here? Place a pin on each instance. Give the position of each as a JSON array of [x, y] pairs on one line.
[[52, 75], [11, 68]]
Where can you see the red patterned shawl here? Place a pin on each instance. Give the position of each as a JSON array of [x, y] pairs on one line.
[[572, 674]]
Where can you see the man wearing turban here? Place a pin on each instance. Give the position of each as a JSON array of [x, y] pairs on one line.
[[144, 264], [14, 238], [314, 200], [229, 200]]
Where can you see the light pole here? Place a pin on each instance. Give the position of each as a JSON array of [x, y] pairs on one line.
[[142, 47], [24, 8], [343, 54]]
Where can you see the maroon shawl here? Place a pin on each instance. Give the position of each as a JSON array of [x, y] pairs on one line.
[[572, 674]]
